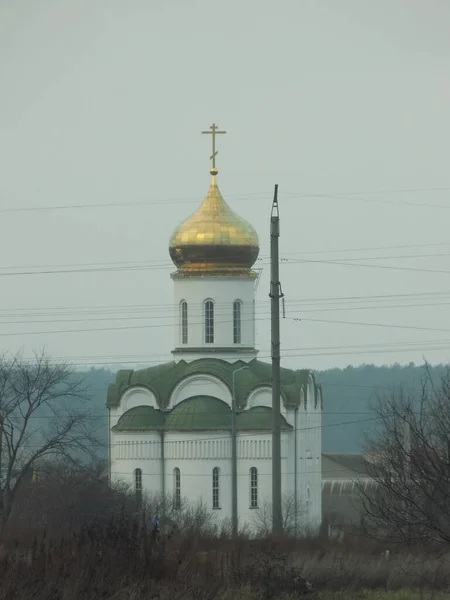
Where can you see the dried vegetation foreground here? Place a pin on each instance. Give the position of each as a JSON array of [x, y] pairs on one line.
[[120, 560]]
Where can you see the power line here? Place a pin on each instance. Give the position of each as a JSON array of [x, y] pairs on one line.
[[349, 264], [378, 201], [148, 358], [256, 196], [226, 321], [151, 317], [38, 310], [136, 203], [161, 262], [117, 267], [365, 324]]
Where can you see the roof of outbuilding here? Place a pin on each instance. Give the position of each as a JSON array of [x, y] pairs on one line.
[[162, 379], [337, 465]]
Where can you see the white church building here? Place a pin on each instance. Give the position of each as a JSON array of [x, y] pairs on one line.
[[171, 425]]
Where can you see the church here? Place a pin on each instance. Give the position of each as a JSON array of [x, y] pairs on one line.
[[199, 427]]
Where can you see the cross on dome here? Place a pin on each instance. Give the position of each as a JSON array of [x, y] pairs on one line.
[[214, 131]]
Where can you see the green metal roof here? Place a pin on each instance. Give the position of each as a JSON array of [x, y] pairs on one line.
[[259, 418], [140, 418], [162, 379], [199, 413]]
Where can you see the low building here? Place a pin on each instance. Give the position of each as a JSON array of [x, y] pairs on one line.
[[342, 478]]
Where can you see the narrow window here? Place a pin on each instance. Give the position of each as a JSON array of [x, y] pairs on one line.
[[209, 322], [253, 487], [215, 488], [138, 480], [184, 322], [177, 488], [236, 322]]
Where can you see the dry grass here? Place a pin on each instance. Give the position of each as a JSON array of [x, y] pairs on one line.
[[119, 561]]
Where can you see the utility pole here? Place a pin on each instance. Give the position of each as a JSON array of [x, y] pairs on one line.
[[275, 295], [234, 489]]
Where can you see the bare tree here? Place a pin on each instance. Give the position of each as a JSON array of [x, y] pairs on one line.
[[43, 415], [410, 465], [292, 513], [194, 517]]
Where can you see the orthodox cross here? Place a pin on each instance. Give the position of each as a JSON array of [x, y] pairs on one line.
[[214, 131]]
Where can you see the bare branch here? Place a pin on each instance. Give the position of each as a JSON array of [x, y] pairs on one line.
[[409, 465], [43, 413]]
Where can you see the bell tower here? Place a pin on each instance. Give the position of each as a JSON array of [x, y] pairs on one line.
[[214, 251]]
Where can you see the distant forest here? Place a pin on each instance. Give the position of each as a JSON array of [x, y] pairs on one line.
[[349, 396]]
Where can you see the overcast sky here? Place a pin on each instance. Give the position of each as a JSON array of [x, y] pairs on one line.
[[343, 103]]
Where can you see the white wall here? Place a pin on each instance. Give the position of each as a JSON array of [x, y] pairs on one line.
[[196, 454], [223, 291], [137, 451]]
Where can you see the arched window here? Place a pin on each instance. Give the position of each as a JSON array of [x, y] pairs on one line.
[[209, 322], [137, 480], [215, 488], [237, 322], [177, 488], [253, 487], [184, 321]]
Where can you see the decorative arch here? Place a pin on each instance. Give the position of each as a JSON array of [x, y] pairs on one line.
[[201, 384], [311, 390], [208, 321], [138, 396], [303, 395], [319, 398], [237, 321], [262, 396], [184, 322]]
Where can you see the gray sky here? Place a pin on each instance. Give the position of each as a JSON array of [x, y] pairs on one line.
[[338, 101]]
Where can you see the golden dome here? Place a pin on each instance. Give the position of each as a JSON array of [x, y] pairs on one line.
[[214, 238]]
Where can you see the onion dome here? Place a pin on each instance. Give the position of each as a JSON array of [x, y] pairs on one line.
[[214, 239]]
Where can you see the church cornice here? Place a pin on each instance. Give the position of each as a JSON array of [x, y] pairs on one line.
[[209, 274], [215, 350]]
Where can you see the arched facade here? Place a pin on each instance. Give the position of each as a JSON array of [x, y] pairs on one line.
[[171, 424]]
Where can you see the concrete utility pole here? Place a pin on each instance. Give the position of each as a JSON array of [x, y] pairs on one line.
[[234, 488], [275, 295]]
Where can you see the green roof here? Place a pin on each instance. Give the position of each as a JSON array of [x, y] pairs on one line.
[[140, 418], [162, 379], [199, 413], [259, 418]]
